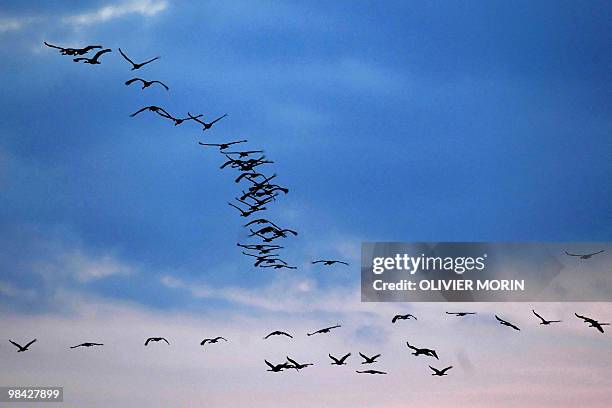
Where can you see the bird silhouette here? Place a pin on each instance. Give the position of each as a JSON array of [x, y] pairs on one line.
[[296, 365], [370, 372], [592, 322], [281, 266], [135, 65], [156, 109], [585, 256], [544, 321], [260, 221], [246, 213], [155, 339], [441, 372], [94, 60], [245, 153], [178, 121], [212, 341], [277, 333], [506, 323], [87, 345], [339, 361], [460, 314], [278, 367], [325, 330], [206, 126], [20, 347], [423, 351], [402, 317], [368, 360], [329, 262], [73, 51], [223, 146], [145, 83]]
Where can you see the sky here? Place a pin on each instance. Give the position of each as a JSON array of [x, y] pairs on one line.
[[412, 121]]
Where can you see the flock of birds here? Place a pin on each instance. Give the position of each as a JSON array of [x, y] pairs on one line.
[[292, 364], [260, 191]]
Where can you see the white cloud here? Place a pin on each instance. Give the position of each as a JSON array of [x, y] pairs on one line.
[[86, 268], [10, 290], [146, 8], [15, 23], [538, 367]]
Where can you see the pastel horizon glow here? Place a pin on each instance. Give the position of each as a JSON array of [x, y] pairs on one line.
[[435, 121]]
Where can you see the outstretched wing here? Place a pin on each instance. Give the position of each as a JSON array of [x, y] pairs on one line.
[[147, 342], [295, 363], [131, 81], [165, 340], [334, 358], [14, 344], [126, 57], [345, 357], [218, 119], [53, 46], [99, 53], [151, 60], [161, 83], [30, 343], [540, 317], [445, 369], [272, 366], [570, 254]]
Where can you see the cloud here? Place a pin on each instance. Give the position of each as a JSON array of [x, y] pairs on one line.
[[145, 8], [86, 268], [10, 290], [569, 371], [15, 23]]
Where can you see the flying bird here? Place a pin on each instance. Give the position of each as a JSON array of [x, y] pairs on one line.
[[327, 262], [206, 126], [150, 339], [245, 153], [212, 341], [296, 365], [73, 51], [87, 345], [156, 109], [585, 256], [506, 323], [145, 83], [94, 60], [368, 360], [135, 65], [278, 367], [544, 321], [222, 146], [278, 333], [339, 361], [441, 372], [423, 351], [20, 347], [592, 322], [460, 314], [402, 317], [325, 330], [370, 372]]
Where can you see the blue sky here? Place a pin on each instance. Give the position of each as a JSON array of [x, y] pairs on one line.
[[412, 121]]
